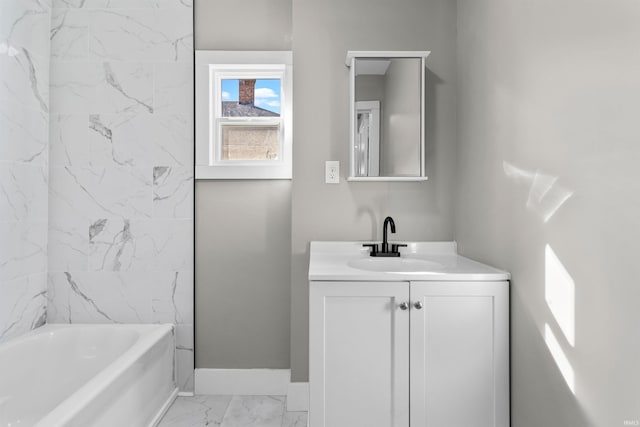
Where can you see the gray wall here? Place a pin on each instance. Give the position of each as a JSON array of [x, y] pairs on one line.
[[243, 236], [323, 32], [548, 155], [243, 228], [243, 24]]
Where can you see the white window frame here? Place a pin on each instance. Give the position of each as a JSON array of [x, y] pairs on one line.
[[211, 68]]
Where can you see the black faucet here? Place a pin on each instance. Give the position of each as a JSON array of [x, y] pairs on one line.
[[384, 246], [387, 221]]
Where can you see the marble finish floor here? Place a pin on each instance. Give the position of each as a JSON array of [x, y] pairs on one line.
[[232, 411]]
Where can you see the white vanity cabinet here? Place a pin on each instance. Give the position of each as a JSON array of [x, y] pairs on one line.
[[398, 354]]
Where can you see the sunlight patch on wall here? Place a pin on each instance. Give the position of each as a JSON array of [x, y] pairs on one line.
[[545, 196], [560, 358], [559, 293]]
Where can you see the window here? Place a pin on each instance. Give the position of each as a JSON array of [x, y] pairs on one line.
[[243, 115]]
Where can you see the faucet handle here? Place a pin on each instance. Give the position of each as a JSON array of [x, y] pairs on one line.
[[373, 246], [395, 246]]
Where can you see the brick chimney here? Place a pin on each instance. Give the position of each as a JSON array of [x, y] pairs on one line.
[[247, 92]]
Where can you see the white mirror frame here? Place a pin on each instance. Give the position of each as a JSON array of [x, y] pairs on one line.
[[350, 63]]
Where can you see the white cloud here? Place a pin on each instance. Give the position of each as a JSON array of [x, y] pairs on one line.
[[226, 96], [265, 92], [267, 98], [263, 103]]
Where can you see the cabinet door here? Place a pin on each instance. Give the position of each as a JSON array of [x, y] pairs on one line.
[[459, 354], [358, 354]]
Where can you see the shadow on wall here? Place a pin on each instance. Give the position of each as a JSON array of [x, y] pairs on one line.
[[432, 81], [551, 393], [368, 213], [431, 124]]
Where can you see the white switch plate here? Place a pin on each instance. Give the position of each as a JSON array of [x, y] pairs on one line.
[[332, 172]]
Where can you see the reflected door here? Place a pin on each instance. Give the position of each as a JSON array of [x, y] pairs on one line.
[[367, 146]]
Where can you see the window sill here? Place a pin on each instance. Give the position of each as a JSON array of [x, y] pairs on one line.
[[242, 172]]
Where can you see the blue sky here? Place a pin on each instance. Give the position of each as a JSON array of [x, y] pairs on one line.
[[267, 94]]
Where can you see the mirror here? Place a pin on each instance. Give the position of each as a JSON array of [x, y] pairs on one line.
[[387, 115]]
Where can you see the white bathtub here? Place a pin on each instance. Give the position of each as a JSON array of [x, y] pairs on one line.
[[87, 375]]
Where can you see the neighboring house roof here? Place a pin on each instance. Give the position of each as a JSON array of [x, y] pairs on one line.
[[235, 109]]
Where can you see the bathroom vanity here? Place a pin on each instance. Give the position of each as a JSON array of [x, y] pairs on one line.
[[417, 340]]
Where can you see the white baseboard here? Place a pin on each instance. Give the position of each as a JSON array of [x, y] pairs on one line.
[[186, 394], [298, 397], [250, 382]]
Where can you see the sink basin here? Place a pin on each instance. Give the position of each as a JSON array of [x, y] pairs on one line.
[[395, 265]]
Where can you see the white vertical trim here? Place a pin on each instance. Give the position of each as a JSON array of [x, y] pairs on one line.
[[298, 397], [423, 113], [250, 382], [352, 115]]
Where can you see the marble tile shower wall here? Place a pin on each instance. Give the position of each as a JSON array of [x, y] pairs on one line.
[[121, 166], [24, 134]]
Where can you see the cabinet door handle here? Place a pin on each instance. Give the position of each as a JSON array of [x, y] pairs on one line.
[[418, 305], [404, 306]]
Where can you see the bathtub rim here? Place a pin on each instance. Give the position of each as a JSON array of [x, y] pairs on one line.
[[150, 335]]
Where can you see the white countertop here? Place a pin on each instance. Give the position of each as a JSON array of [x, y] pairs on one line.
[[435, 261]]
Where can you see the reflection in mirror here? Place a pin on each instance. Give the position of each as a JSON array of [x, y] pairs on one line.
[[367, 148], [387, 93]]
